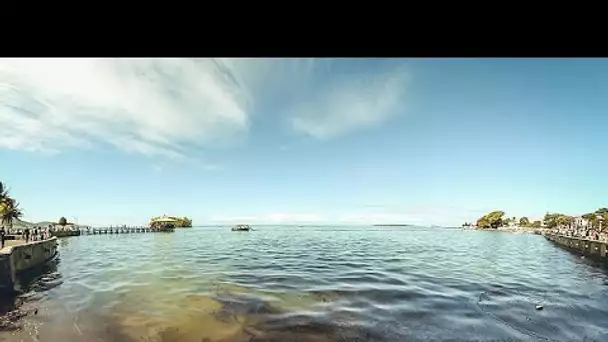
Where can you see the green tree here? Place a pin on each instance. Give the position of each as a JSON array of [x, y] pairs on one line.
[[491, 220], [9, 208], [589, 216], [63, 221], [565, 221], [536, 224], [9, 211], [482, 223], [601, 219], [553, 220], [524, 222], [3, 192], [591, 219]]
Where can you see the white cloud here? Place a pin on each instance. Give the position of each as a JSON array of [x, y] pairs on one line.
[[167, 107], [324, 98], [152, 107], [349, 105]]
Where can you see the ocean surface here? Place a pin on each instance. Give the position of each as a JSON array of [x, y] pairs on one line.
[[290, 283]]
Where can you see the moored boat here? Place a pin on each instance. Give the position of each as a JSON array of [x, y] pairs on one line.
[[241, 228]]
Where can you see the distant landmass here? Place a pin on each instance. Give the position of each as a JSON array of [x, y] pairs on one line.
[[392, 225], [17, 223], [20, 224]]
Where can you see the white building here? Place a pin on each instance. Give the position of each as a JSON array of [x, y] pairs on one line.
[[579, 222]]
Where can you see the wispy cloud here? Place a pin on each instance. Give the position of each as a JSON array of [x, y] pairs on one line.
[[152, 107], [350, 104], [168, 107], [325, 98]]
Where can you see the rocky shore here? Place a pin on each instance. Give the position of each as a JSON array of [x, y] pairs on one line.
[[10, 320]]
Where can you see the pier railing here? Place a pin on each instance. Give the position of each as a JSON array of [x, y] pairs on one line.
[[105, 230], [118, 230]]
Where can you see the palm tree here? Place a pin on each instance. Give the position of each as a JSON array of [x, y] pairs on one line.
[[63, 221], [3, 198], [3, 192], [9, 211]]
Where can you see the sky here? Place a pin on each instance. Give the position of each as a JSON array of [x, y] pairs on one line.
[[303, 141]]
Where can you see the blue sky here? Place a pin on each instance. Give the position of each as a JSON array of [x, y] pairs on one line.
[[427, 141]]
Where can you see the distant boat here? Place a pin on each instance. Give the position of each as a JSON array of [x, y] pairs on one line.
[[241, 228]]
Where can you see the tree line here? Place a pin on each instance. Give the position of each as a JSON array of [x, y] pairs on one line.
[[496, 219]]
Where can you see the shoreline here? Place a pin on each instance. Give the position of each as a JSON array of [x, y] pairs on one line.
[[514, 229]]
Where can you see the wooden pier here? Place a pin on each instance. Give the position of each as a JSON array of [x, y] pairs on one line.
[[112, 230]]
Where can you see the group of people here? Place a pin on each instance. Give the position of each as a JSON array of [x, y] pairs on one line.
[[28, 234], [582, 233]]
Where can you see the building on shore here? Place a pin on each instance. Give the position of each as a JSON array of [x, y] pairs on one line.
[[580, 222], [178, 222]]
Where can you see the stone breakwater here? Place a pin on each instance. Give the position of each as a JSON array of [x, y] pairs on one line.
[[22, 257], [588, 247]]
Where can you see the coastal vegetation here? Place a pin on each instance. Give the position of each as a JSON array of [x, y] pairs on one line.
[[63, 221], [9, 208], [491, 220], [495, 219]]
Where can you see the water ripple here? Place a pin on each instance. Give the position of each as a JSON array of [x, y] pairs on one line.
[[316, 284]]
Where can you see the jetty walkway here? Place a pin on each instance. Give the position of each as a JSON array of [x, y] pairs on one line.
[[105, 230], [119, 230]]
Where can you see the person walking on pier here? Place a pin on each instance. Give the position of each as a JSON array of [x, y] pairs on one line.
[[2, 233], [26, 234]]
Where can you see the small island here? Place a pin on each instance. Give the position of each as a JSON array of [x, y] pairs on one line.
[[178, 222]]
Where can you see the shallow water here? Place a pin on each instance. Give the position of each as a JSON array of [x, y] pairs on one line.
[[292, 283]]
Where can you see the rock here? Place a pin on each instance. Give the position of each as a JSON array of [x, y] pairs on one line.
[[539, 307]]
